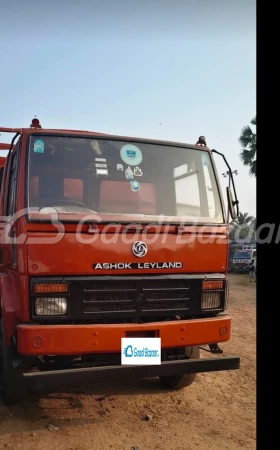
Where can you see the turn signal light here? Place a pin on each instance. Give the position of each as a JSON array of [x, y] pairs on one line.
[[212, 285], [50, 288]]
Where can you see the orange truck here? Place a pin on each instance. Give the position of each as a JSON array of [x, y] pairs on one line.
[[108, 241]]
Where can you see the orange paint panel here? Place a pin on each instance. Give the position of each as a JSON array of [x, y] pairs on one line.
[[72, 254], [89, 339]]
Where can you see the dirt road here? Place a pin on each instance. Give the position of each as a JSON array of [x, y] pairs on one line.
[[216, 412]]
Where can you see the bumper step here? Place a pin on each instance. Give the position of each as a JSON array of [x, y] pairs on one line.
[[107, 373]]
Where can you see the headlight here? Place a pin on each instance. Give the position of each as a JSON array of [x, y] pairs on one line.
[[214, 295], [210, 300], [46, 306]]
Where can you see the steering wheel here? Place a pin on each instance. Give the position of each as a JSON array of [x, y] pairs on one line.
[[64, 201]]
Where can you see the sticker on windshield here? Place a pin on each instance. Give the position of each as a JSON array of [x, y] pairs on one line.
[[204, 159], [95, 147], [101, 171], [131, 155], [39, 146], [120, 167], [128, 173], [137, 172], [135, 186], [100, 159]]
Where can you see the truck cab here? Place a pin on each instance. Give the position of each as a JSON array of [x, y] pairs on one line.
[[105, 238]]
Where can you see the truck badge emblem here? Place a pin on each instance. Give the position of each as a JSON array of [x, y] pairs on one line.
[[139, 249]]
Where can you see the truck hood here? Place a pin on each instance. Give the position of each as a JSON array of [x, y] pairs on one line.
[[95, 252]]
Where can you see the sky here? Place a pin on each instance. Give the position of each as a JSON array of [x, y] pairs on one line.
[[163, 69]]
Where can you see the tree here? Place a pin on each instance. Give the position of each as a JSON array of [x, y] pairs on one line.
[[254, 224], [248, 140], [243, 219], [243, 227]]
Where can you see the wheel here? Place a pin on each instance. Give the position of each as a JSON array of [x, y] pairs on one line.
[[11, 382], [181, 381]]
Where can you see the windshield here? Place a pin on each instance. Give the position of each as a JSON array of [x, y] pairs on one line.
[[244, 255], [114, 177]]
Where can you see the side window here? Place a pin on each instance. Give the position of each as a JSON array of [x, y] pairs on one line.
[[11, 201]]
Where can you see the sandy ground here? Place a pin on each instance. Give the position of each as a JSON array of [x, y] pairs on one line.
[[216, 412]]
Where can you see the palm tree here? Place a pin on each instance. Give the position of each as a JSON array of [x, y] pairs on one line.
[[254, 224], [248, 140], [244, 221]]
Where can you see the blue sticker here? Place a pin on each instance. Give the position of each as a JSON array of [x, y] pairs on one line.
[[135, 185], [38, 146], [128, 173], [204, 159], [131, 155]]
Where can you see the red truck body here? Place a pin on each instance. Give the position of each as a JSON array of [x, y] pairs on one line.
[[95, 249]]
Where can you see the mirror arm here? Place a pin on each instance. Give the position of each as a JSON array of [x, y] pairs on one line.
[[236, 202]]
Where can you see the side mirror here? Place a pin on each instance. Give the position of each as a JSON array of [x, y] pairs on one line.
[[232, 205]]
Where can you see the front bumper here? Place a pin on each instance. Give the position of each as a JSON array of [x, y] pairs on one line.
[[171, 368], [241, 268], [36, 340]]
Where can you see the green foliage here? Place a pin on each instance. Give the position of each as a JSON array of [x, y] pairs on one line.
[[243, 227], [248, 140]]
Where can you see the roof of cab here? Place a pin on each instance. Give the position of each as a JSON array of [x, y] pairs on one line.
[[35, 128]]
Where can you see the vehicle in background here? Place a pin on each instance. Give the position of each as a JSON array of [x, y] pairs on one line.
[[249, 247], [242, 259]]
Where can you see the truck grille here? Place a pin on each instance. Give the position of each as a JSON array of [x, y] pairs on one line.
[[140, 298], [123, 299]]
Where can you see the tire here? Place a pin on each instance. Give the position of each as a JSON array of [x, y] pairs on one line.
[[185, 380], [11, 381]]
